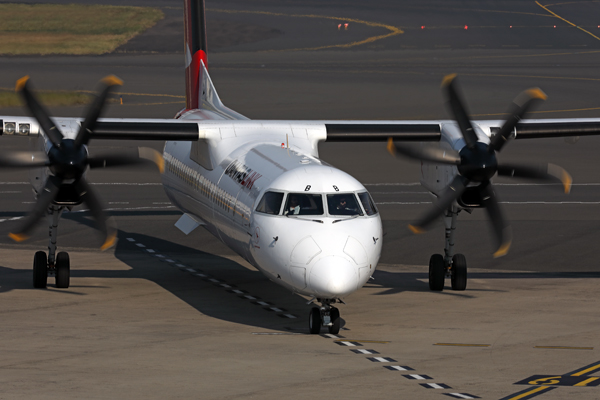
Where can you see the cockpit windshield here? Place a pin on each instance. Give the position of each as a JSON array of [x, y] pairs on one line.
[[367, 203], [343, 204], [303, 204], [270, 203]]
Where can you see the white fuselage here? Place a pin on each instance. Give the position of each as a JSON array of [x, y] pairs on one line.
[[315, 252]]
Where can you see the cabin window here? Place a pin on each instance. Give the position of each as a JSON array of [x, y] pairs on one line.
[[270, 203], [343, 204], [303, 204], [367, 203]]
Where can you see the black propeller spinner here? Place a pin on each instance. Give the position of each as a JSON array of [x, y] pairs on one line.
[[477, 164], [68, 160]]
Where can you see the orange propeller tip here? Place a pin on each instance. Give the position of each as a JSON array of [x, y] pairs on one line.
[[390, 147], [448, 79], [110, 241], [21, 83], [18, 237], [112, 80], [537, 93], [416, 229], [503, 250]]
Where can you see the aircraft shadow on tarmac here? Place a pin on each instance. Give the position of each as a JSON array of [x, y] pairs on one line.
[[218, 302]]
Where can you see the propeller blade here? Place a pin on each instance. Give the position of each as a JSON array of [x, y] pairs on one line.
[[94, 110], [425, 153], [39, 209], [105, 225], [143, 155], [453, 191], [38, 111], [520, 106], [458, 110], [24, 159], [549, 173], [500, 226]]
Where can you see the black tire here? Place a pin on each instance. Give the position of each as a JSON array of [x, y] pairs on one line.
[[459, 272], [314, 321], [40, 270], [336, 321], [63, 270], [437, 272]]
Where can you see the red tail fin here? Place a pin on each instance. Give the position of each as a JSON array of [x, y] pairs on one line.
[[195, 51]]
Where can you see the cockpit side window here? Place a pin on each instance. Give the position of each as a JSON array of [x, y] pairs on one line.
[[367, 203], [343, 204], [303, 204], [270, 203]]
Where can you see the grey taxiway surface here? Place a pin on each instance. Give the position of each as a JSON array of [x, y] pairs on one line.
[[165, 315]]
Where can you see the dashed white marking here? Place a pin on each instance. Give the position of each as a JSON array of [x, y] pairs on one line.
[[169, 260], [276, 309], [263, 303], [462, 396], [131, 239], [15, 218], [349, 344], [250, 297], [364, 351], [150, 251], [160, 256], [191, 269], [140, 245], [331, 336], [418, 377], [435, 386], [237, 291], [225, 285], [289, 316], [214, 280], [201, 275], [181, 265]]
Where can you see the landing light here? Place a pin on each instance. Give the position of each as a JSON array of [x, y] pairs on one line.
[[9, 128], [24, 129]]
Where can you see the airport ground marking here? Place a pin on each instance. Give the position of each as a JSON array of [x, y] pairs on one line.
[[462, 395], [393, 29], [568, 22], [529, 393], [364, 351], [435, 386], [367, 341], [462, 344]]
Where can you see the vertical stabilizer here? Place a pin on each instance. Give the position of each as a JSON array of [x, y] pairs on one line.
[[195, 51]]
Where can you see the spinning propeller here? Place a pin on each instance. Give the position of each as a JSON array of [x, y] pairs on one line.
[[68, 160], [477, 164]]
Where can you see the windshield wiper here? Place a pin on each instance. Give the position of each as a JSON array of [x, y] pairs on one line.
[[304, 219], [346, 219]]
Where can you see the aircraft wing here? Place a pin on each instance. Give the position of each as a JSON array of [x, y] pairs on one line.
[[331, 131]]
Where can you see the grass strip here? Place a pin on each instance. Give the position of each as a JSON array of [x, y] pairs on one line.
[[48, 98], [71, 28]]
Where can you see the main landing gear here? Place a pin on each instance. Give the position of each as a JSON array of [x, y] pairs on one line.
[[54, 264], [452, 266], [326, 315]]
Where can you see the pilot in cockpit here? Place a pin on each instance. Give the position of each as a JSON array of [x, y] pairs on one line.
[[293, 206]]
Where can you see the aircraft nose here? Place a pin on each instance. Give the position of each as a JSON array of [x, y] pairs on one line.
[[333, 277]]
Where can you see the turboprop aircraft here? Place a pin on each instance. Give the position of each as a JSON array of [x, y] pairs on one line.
[[260, 187]]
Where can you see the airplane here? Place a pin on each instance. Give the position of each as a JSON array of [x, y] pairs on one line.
[[260, 187]]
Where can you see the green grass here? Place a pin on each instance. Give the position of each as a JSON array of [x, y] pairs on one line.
[[48, 98], [71, 28]]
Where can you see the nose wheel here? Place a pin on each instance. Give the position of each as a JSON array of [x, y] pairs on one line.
[[439, 270], [324, 316], [61, 270]]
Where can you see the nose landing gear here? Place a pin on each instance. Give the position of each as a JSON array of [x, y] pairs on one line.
[[452, 266], [326, 315], [58, 265]]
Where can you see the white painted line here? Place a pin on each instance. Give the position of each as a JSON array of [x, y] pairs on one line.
[[140, 245], [214, 280], [191, 269], [289, 315], [263, 303], [160, 256], [419, 377], [460, 396], [435, 386], [181, 265], [169, 260], [237, 291], [14, 218], [131, 239], [250, 297], [276, 309], [349, 344], [225, 285], [201, 275], [332, 336], [150, 251]]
